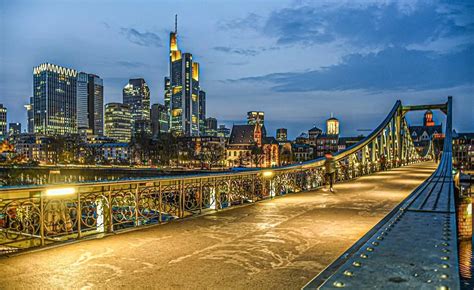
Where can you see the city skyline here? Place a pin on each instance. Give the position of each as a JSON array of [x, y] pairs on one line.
[[321, 74]]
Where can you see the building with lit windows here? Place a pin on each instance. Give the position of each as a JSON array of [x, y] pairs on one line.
[[182, 92], [202, 113], [118, 122], [159, 120], [256, 117], [136, 95], [54, 99], [3, 122], [211, 126], [332, 126], [223, 131], [30, 116], [14, 129], [281, 135]]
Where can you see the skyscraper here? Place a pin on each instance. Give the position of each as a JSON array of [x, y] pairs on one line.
[[136, 95], [54, 99], [3, 122], [90, 103], [159, 119], [183, 91], [30, 116], [118, 122], [202, 113]]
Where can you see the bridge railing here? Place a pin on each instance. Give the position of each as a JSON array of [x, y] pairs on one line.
[[43, 215]]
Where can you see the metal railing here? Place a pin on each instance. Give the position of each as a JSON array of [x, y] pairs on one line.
[[42, 215]]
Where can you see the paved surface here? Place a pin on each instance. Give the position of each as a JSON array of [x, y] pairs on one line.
[[280, 243]]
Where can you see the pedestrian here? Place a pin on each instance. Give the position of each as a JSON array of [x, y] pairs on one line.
[[383, 163], [330, 166]]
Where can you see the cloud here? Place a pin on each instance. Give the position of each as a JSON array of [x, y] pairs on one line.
[[390, 69], [241, 51], [132, 64], [377, 24], [141, 38], [251, 21]]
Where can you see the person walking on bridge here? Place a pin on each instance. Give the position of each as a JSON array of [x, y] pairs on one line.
[[330, 166]]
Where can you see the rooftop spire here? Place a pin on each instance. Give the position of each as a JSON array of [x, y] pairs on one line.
[[176, 23]]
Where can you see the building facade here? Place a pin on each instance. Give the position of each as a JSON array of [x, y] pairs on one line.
[[256, 117], [281, 135], [54, 99], [136, 95], [3, 122], [30, 116], [14, 129], [332, 126], [463, 150], [211, 126], [183, 97], [159, 119], [118, 122], [202, 113]]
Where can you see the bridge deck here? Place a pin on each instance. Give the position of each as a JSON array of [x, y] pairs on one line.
[[279, 243]]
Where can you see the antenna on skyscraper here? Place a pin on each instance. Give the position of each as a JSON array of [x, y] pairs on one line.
[[176, 23]]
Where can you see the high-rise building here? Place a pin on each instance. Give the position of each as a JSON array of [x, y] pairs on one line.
[[3, 122], [30, 116], [136, 95], [223, 131], [82, 100], [14, 129], [54, 99], [90, 103], [256, 117], [332, 126], [211, 126], [159, 119], [182, 91], [282, 134], [118, 122], [202, 113]]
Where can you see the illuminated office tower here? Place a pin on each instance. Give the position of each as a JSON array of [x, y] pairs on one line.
[[202, 113], [14, 129], [136, 95], [3, 122], [30, 116], [211, 126], [182, 91], [54, 99], [118, 122]]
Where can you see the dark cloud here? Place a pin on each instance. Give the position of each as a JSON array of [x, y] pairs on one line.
[[141, 38], [369, 25], [390, 69]]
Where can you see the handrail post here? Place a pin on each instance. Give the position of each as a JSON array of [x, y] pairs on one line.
[[79, 215], [160, 204], [42, 218], [111, 214], [136, 204]]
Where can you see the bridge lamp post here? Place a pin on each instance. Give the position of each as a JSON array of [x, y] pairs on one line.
[[267, 175]]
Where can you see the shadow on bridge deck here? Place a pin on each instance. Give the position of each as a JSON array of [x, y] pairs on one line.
[[279, 243]]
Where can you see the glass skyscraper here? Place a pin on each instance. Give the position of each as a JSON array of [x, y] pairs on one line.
[[54, 99], [182, 91], [90, 103], [136, 95], [159, 119]]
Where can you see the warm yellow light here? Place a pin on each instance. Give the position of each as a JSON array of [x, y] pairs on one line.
[[267, 174], [60, 191]]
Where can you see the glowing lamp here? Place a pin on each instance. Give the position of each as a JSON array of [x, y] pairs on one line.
[[60, 191], [267, 174]]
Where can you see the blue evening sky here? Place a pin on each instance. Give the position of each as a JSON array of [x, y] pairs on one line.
[[296, 60]]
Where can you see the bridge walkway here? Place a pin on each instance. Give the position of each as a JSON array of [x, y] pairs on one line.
[[278, 243]]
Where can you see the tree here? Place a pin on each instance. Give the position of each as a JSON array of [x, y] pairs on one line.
[[256, 155]]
